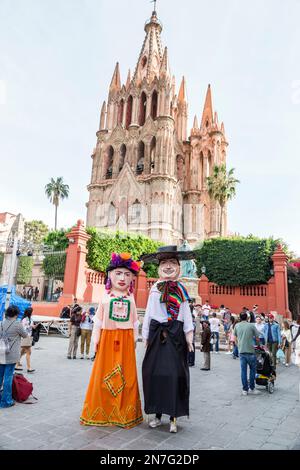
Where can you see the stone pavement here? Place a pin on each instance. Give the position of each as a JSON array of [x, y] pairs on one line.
[[220, 417]]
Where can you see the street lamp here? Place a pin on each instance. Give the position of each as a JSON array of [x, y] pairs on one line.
[[203, 269], [290, 281], [272, 272]]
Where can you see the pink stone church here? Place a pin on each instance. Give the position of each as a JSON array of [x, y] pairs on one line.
[[149, 173]]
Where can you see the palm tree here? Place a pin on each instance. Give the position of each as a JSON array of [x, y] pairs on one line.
[[56, 190], [221, 188]]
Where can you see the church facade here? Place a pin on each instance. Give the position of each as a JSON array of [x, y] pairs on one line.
[[149, 173]]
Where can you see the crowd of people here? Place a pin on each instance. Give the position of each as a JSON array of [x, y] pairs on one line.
[[244, 332]]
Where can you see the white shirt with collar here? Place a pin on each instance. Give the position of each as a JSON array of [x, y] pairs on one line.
[[156, 310]]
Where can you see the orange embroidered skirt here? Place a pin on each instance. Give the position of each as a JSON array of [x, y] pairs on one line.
[[112, 397]]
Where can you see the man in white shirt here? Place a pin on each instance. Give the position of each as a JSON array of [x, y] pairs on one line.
[[205, 310], [215, 331]]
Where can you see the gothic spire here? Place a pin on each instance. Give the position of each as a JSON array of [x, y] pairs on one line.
[[207, 115], [115, 84], [128, 80], [182, 95], [151, 55], [165, 66]]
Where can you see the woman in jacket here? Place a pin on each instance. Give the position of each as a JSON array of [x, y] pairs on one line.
[[74, 331], [205, 342], [26, 343], [14, 331]]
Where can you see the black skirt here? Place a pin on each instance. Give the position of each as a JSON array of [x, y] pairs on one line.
[[166, 379]]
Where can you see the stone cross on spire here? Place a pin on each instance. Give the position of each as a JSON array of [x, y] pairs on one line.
[[154, 1]]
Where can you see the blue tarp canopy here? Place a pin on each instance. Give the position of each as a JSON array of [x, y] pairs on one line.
[[14, 300]]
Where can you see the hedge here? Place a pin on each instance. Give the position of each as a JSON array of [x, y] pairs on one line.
[[54, 265], [103, 243], [237, 261], [24, 271]]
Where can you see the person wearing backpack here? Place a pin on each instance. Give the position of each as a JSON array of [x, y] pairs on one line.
[[11, 332]]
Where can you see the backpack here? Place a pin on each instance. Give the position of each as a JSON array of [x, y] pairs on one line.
[[5, 346], [21, 388]]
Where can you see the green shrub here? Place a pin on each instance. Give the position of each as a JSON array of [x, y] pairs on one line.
[[103, 243], [24, 271], [237, 261], [54, 265]]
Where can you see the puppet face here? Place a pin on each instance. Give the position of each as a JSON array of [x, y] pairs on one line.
[[121, 279], [169, 269]]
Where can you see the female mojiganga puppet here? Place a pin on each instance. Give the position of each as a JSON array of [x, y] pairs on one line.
[[112, 397]]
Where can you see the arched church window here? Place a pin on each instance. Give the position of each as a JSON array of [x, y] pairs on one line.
[[141, 158], [207, 123], [143, 104], [120, 112], [122, 156], [110, 161], [129, 111], [154, 104], [135, 212], [111, 214], [152, 154], [144, 62]]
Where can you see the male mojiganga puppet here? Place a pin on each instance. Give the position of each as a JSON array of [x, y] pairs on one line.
[[112, 397], [168, 333]]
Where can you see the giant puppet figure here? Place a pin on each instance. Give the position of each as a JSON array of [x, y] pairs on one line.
[[168, 333], [112, 397]]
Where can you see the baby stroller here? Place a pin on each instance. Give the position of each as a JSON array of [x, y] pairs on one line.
[[265, 372]]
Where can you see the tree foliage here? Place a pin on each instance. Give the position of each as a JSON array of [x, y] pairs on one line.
[[55, 191], [57, 240], [24, 271], [34, 233], [237, 261], [294, 291], [103, 243], [221, 188]]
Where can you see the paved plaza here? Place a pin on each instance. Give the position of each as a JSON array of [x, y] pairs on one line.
[[220, 417]]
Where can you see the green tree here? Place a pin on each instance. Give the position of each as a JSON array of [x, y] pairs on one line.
[[57, 240], [56, 190], [34, 233], [221, 188]]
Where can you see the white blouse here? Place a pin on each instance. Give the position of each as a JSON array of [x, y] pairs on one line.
[[156, 310]]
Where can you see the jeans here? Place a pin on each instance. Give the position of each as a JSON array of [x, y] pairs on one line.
[[215, 335], [6, 377], [250, 360], [235, 351]]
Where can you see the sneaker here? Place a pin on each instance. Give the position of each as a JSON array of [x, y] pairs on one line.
[[87, 357], [244, 392], [81, 357], [18, 368], [286, 365], [69, 357], [30, 370], [173, 426], [203, 368], [253, 392], [154, 423], [228, 352], [74, 357]]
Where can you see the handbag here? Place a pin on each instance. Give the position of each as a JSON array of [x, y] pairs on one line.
[[78, 332], [26, 342]]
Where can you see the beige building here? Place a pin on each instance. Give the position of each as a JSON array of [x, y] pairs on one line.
[[149, 173]]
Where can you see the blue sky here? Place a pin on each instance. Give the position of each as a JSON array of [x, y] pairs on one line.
[[56, 62]]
